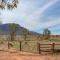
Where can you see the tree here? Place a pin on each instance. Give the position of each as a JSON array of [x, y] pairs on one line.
[[10, 4], [46, 33], [12, 28], [25, 33]]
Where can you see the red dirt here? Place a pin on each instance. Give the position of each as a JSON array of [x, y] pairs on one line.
[[10, 55]]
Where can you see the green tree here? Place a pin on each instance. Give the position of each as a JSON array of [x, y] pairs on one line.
[[12, 29], [46, 33], [10, 4], [25, 33]]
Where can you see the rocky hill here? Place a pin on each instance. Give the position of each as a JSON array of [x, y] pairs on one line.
[[4, 29]]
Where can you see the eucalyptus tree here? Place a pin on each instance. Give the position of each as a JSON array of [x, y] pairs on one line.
[[12, 32], [46, 33], [10, 4], [12, 29], [25, 33]]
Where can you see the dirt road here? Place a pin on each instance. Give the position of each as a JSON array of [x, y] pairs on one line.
[[25, 56]]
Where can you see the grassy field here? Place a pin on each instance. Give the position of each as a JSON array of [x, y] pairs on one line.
[[28, 46]]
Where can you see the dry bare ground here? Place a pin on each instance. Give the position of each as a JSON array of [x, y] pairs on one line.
[[13, 55]]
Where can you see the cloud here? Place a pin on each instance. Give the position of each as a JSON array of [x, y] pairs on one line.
[[42, 9], [53, 24], [34, 20], [28, 15]]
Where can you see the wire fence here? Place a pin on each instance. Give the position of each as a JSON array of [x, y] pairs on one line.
[[30, 46]]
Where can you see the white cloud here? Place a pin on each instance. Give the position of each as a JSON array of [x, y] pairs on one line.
[[33, 20], [30, 21], [52, 22], [42, 9]]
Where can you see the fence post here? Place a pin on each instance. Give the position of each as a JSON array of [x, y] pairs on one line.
[[8, 45], [39, 49], [20, 45], [53, 46]]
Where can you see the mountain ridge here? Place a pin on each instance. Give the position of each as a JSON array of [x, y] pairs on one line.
[[4, 29]]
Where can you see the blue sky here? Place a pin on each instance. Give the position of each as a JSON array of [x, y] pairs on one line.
[[35, 15]]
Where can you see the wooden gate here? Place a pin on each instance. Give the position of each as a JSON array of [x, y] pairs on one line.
[[48, 48]]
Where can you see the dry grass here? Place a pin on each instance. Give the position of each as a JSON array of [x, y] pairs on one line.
[[28, 46], [13, 54]]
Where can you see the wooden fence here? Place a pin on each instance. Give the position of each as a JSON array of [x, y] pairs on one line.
[[41, 47], [48, 48]]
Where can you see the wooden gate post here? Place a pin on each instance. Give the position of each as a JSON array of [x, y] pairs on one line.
[[39, 49], [20, 45], [53, 46]]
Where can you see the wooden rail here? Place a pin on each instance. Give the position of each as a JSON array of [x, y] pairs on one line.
[[50, 48]]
